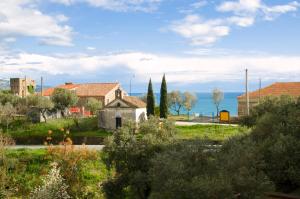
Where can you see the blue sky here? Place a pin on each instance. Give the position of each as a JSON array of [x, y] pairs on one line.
[[198, 44]]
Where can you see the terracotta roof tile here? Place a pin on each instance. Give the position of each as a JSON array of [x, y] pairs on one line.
[[277, 89], [86, 90], [135, 101]]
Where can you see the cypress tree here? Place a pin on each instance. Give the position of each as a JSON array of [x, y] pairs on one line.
[[150, 100], [163, 99]]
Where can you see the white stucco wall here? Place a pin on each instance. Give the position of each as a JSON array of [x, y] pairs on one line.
[[140, 112], [107, 117]]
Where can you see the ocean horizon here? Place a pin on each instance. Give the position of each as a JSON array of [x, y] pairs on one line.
[[205, 105]]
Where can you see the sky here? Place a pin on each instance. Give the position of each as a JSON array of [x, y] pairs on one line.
[[198, 44]]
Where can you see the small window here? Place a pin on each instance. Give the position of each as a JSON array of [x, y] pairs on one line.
[[118, 104]]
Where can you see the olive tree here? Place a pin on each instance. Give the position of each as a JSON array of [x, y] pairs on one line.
[[7, 113], [93, 105], [190, 101], [217, 97], [175, 101], [63, 99]]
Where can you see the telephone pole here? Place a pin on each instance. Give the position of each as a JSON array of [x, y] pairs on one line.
[[41, 86], [247, 95], [259, 90]]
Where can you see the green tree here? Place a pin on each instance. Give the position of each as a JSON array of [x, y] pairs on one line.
[[150, 100], [7, 113], [44, 105], [190, 101], [63, 99], [217, 97], [93, 105], [175, 101], [163, 98], [129, 151]]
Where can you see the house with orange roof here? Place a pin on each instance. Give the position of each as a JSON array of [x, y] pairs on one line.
[[104, 92], [274, 90]]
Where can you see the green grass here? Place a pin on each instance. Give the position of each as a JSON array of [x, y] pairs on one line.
[[87, 127], [29, 165], [210, 132]]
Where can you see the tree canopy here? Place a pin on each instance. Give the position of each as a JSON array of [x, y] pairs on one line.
[[63, 99], [163, 99], [150, 100]]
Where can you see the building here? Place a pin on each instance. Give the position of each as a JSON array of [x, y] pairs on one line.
[[122, 109], [22, 86], [104, 92], [274, 90]]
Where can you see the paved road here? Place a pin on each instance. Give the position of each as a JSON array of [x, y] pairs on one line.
[[95, 147], [198, 123]]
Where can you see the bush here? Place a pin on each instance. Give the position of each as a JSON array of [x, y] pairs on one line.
[[70, 160], [129, 152], [192, 169], [53, 186]]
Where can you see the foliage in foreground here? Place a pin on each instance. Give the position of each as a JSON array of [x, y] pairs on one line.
[[129, 152], [53, 186], [245, 167]]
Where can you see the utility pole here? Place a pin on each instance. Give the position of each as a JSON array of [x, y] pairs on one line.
[[130, 84], [247, 95], [259, 90], [41, 86]]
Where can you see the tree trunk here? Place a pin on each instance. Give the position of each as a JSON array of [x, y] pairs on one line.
[[45, 118]]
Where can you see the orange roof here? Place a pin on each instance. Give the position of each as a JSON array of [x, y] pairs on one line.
[[134, 101], [277, 89], [86, 90]]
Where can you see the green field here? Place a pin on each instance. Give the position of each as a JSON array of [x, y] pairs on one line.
[[87, 127], [210, 132]]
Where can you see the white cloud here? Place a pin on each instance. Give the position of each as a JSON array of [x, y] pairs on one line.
[[10, 39], [240, 6], [244, 14], [274, 11], [199, 4], [90, 48], [117, 5], [193, 69], [198, 31], [241, 21], [20, 17]]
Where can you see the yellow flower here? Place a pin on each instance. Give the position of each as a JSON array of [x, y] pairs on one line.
[[49, 132], [62, 129], [67, 132]]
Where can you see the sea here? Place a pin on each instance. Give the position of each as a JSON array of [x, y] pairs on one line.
[[205, 105]]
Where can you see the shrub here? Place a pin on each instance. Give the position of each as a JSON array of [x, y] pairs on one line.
[[53, 186], [70, 160], [129, 152]]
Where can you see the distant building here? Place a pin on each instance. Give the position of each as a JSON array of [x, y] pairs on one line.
[[104, 92], [274, 90], [22, 86], [122, 109]]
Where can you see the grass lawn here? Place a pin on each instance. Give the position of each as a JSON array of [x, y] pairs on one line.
[[35, 134], [87, 127], [210, 132], [28, 165]]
